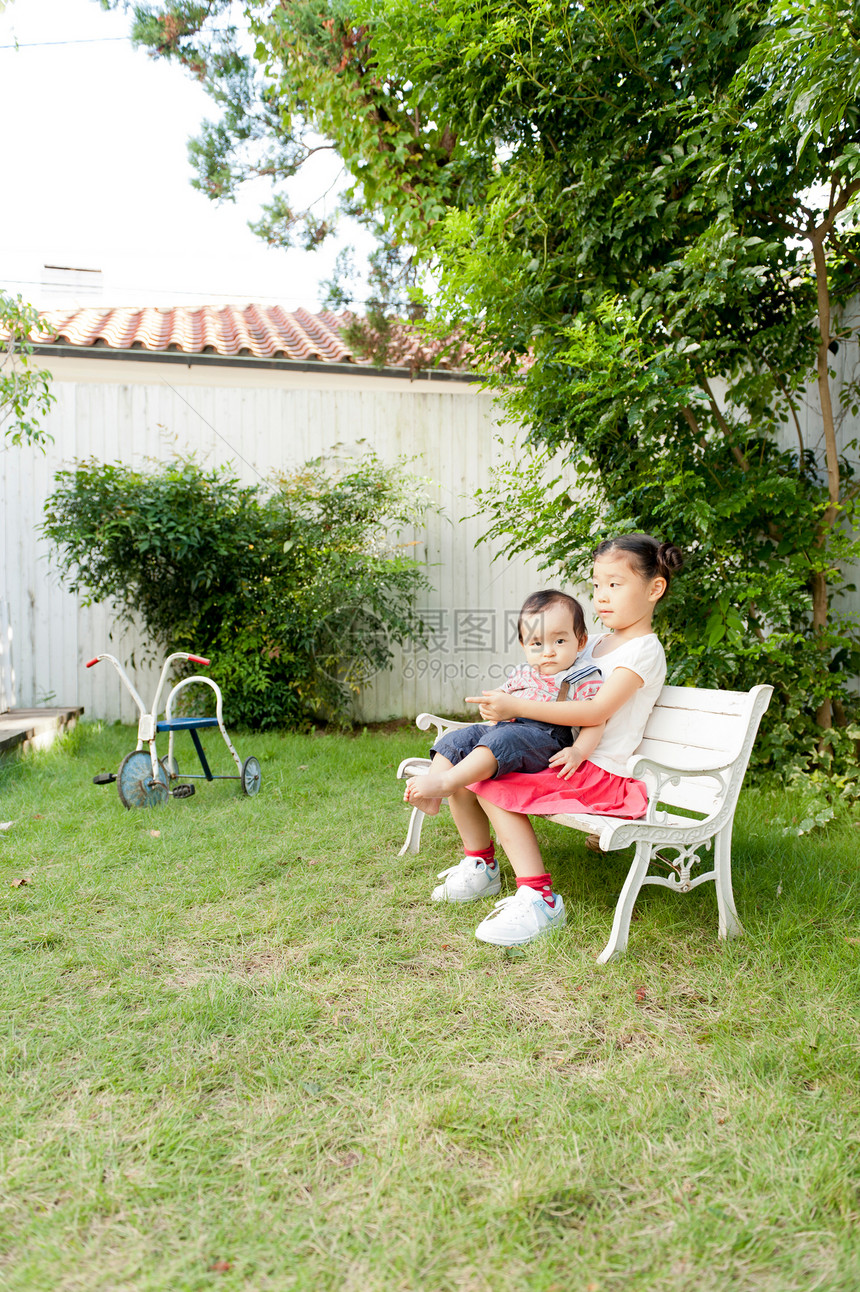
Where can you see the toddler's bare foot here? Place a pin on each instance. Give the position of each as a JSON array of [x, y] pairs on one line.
[[420, 793]]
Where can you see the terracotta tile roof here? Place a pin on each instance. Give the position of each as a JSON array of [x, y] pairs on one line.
[[261, 331], [266, 332]]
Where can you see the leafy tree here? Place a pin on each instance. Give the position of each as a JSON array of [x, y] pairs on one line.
[[297, 592], [648, 211], [25, 394], [289, 82], [671, 234]]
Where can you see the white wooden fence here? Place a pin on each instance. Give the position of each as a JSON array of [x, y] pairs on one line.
[[132, 412]]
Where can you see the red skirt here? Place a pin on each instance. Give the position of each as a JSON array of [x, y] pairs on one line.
[[589, 789]]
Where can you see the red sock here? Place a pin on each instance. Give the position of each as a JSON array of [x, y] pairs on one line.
[[541, 884], [487, 855]]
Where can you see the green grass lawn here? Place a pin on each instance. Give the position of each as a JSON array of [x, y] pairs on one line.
[[242, 1049]]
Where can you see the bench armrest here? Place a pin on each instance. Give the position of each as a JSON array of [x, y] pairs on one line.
[[425, 721], [641, 763], [662, 775]]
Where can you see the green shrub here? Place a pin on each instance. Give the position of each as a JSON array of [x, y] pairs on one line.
[[295, 590]]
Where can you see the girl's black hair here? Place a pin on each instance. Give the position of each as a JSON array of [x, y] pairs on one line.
[[538, 602], [649, 557]]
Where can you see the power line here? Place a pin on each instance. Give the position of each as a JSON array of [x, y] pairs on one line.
[[101, 40], [248, 464], [41, 44]]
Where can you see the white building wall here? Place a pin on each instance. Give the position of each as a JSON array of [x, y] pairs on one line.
[[259, 421]]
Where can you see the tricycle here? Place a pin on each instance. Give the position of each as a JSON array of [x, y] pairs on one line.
[[145, 781]]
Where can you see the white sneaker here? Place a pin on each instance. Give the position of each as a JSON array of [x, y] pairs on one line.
[[521, 918], [467, 881]]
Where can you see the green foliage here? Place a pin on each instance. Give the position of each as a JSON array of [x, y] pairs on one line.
[[668, 232], [309, 79], [607, 405], [295, 591], [25, 395], [659, 208]]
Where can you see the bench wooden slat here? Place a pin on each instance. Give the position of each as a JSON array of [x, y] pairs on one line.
[[683, 757], [594, 824], [709, 731], [701, 699]]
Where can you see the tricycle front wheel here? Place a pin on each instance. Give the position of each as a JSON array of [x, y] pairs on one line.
[[135, 782]]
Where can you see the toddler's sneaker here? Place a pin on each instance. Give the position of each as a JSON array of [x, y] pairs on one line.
[[468, 881], [521, 918]]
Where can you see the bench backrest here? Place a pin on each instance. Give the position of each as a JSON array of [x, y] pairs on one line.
[[692, 728]]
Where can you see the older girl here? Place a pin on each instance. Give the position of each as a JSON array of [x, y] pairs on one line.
[[632, 573]]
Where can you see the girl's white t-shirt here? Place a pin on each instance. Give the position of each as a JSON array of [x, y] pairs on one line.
[[623, 732]]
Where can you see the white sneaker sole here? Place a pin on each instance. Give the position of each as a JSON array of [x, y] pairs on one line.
[[501, 939]]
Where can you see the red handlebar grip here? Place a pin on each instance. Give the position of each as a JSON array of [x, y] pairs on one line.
[[198, 659], [92, 661]]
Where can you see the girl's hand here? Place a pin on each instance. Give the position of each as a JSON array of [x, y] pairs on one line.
[[494, 706], [567, 761]]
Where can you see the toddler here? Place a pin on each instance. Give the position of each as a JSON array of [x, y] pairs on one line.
[[552, 633]]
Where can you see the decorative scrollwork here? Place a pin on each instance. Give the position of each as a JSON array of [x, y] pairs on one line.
[[681, 865]]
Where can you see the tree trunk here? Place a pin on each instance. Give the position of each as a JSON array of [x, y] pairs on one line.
[[824, 714]]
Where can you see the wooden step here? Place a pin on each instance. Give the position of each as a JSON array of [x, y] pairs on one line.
[[24, 729]]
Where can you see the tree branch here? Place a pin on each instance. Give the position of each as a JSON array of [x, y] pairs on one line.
[[693, 423], [738, 456], [780, 385]]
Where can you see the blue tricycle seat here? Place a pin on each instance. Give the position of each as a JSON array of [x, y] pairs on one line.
[[186, 724]]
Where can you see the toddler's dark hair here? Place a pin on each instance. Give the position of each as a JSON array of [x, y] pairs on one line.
[[650, 558], [538, 602]]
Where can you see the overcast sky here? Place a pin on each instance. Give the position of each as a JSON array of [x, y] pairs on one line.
[[96, 174]]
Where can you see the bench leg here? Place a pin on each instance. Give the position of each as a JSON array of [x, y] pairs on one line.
[[617, 943], [730, 926], [413, 834]]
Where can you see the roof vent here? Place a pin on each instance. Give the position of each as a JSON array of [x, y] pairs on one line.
[[65, 283]]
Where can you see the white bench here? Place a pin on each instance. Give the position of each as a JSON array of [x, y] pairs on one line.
[[693, 757]]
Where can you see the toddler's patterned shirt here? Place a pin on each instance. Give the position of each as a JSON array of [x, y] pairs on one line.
[[583, 683]]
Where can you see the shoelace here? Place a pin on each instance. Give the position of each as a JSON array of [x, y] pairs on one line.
[[506, 901], [442, 873]]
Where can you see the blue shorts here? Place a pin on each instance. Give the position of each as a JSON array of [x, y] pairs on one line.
[[521, 745]]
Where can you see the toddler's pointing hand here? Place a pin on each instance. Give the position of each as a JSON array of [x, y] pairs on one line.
[[494, 706]]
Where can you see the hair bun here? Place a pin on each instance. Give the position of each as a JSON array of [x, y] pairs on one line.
[[670, 557]]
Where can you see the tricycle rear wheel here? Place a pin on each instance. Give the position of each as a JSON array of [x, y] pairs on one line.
[[250, 776]]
